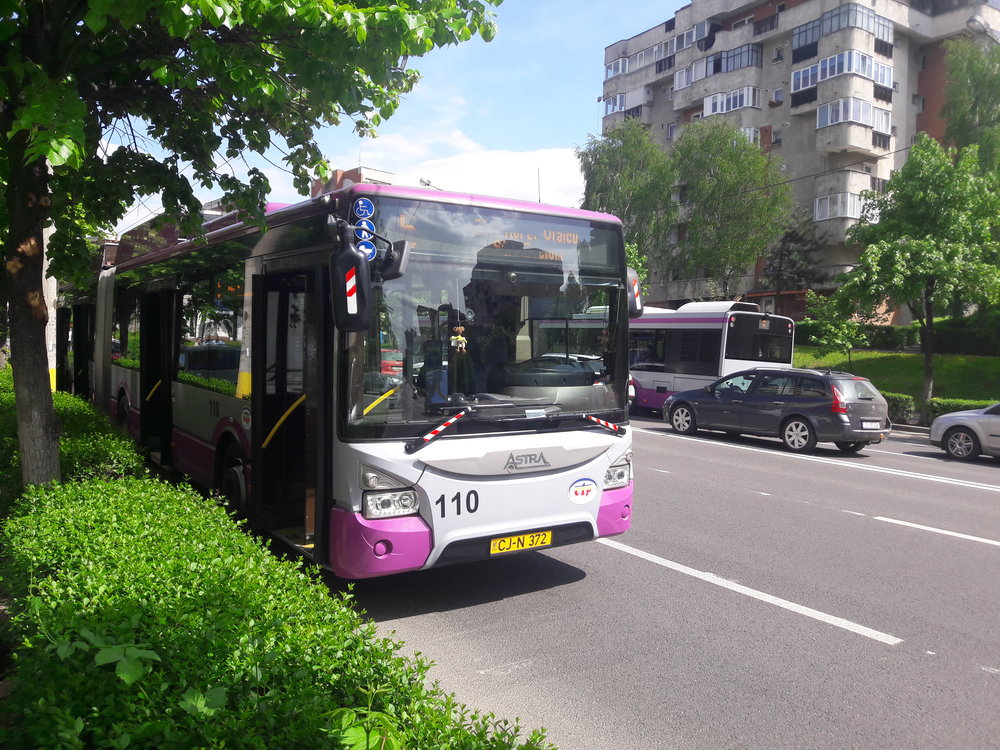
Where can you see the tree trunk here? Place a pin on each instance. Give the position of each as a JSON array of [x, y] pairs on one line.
[[927, 344], [37, 428]]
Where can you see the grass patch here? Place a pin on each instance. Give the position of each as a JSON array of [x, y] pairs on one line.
[[956, 376]]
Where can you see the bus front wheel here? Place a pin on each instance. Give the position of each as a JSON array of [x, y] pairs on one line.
[[232, 480]]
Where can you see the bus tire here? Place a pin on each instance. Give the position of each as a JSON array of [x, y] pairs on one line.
[[682, 419], [232, 480], [121, 413]]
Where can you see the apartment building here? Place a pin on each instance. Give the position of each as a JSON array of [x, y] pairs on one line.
[[837, 89]]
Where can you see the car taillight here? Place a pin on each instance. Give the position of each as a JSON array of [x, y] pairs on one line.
[[839, 405]]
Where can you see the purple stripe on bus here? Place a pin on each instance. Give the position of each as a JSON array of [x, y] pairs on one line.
[[615, 514], [193, 456], [363, 548], [228, 425]]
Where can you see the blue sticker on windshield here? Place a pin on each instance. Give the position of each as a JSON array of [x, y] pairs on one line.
[[368, 248], [364, 229], [364, 208]]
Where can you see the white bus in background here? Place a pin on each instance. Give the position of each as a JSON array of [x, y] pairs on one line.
[[694, 345]]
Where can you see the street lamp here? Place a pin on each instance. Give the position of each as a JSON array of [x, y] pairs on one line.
[[978, 26]]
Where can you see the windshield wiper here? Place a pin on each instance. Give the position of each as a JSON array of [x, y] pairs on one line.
[[417, 443]]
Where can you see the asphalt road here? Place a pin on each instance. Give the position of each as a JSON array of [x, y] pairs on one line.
[[761, 600]]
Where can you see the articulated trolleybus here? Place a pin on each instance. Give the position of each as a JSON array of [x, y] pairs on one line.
[[253, 362], [694, 345]]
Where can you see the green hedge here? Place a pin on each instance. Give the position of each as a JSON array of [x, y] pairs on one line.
[[89, 446], [938, 406], [902, 408], [142, 616], [145, 617]]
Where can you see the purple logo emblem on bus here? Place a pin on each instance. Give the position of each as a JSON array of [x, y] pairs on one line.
[[583, 491]]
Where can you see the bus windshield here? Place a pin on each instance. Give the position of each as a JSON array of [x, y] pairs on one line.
[[511, 315]]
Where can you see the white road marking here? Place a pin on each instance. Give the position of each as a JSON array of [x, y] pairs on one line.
[[907, 455], [854, 513], [832, 462], [969, 537], [663, 471], [839, 622]]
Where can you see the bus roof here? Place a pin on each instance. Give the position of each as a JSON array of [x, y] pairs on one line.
[[469, 199], [142, 244]]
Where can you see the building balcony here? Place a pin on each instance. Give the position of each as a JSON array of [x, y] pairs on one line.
[[846, 136]]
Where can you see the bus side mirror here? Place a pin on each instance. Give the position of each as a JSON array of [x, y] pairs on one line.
[[350, 284], [634, 294], [395, 260]]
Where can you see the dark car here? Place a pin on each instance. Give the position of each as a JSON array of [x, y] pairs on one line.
[[802, 407]]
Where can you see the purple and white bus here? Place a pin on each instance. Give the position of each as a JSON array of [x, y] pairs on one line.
[[251, 361], [699, 342]]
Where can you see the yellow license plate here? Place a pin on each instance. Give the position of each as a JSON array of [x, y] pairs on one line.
[[519, 542]]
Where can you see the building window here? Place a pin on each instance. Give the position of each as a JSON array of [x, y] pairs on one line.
[[752, 134], [615, 103], [880, 140], [847, 205], [746, 56], [671, 131], [779, 55], [616, 68], [716, 104], [847, 15], [778, 96], [883, 48], [882, 93], [843, 63], [775, 137], [853, 110], [919, 102]]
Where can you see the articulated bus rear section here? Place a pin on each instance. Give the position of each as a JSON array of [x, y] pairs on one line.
[[253, 362], [700, 342]]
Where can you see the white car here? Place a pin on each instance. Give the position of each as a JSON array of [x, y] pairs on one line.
[[965, 434]]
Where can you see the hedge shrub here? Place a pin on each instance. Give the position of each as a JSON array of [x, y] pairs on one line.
[[145, 618], [89, 446], [938, 406], [902, 408]]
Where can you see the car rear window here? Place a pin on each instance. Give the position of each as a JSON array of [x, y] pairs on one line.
[[857, 388]]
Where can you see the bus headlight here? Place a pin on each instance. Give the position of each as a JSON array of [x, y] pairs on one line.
[[391, 503], [618, 475]]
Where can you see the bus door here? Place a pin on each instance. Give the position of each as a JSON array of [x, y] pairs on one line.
[[81, 356], [156, 310], [284, 332]]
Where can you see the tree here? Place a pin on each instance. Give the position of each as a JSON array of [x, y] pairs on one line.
[[734, 197], [927, 239], [627, 174], [196, 79], [791, 262], [972, 97], [834, 328]]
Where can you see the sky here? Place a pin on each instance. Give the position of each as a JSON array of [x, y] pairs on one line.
[[502, 118]]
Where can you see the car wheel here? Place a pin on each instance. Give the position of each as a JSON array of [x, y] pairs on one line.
[[961, 444], [798, 435], [854, 447], [682, 419]]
